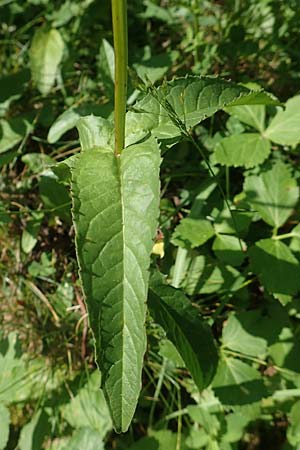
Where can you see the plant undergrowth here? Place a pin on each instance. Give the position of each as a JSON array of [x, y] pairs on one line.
[[230, 242]]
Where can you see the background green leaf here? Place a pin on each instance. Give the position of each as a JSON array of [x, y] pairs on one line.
[[46, 54], [276, 266], [273, 193], [184, 327], [242, 150], [284, 129]]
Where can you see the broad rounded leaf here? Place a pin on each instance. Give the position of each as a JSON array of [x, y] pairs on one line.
[[85, 438], [228, 249], [115, 211], [193, 232], [236, 338], [273, 193], [184, 327], [237, 383], [46, 53], [242, 150], [284, 129], [276, 266]]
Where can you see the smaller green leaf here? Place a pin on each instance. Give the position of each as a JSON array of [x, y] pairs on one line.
[[236, 424], [33, 434], [153, 68], [252, 332], [12, 132], [88, 408], [106, 66], [46, 53], [12, 87], [273, 193], [197, 438], [242, 150], [157, 440], [37, 162], [201, 416], [234, 221], [85, 438], [69, 119], [253, 115], [284, 129], [285, 353], [293, 432], [95, 132], [205, 276], [55, 195], [168, 350], [4, 426], [30, 234], [235, 337], [237, 383], [185, 328], [276, 267], [192, 232], [227, 248]]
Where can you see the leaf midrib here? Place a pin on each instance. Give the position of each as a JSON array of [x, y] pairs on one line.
[[120, 179]]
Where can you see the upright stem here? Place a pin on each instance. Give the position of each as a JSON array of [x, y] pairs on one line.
[[119, 16]]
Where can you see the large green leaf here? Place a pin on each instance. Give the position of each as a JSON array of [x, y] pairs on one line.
[[273, 193], [115, 210], [191, 99], [46, 53], [284, 129], [246, 150], [276, 267], [184, 327]]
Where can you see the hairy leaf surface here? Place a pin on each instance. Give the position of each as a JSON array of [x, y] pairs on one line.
[[115, 208], [191, 100], [185, 328]]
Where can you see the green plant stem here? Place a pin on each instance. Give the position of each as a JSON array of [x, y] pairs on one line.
[[119, 16], [157, 391], [285, 236]]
